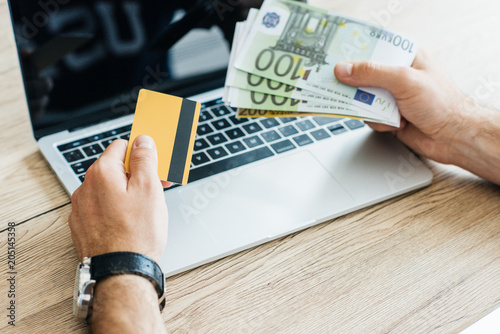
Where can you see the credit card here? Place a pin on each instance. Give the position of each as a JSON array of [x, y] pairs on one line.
[[172, 122]]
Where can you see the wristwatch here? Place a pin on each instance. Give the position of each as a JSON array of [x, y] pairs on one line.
[[96, 268]]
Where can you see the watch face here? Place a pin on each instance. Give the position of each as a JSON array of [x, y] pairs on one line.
[[84, 289], [76, 291]]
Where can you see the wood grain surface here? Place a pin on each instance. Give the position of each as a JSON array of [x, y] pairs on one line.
[[425, 262]]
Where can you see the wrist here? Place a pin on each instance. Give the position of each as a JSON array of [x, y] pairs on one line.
[[101, 267], [476, 144], [119, 300], [111, 289], [465, 129]]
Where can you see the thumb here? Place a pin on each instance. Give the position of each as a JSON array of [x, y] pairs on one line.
[[373, 74], [143, 159]]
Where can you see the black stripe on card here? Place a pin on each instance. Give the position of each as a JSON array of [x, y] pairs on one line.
[[181, 144]]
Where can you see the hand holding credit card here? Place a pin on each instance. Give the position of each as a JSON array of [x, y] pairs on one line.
[[172, 122]]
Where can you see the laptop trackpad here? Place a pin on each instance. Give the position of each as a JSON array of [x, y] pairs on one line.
[[264, 200]]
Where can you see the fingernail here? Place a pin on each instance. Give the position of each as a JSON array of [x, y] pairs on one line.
[[344, 69], [144, 141]]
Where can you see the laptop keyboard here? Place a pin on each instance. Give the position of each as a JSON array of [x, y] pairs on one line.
[[223, 142]]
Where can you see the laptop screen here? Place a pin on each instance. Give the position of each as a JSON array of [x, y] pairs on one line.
[[84, 61]]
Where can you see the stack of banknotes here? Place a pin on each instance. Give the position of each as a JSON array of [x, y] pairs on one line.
[[283, 58]]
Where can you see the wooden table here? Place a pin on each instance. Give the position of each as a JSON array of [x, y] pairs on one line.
[[428, 261]]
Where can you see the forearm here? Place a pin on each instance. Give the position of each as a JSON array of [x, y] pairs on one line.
[[126, 304], [477, 149]]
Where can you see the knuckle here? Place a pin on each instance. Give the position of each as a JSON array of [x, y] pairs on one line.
[[75, 196], [369, 69], [148, 182], [142, 160], [74, 199], [142, 154], [97, 169], [408, 76]]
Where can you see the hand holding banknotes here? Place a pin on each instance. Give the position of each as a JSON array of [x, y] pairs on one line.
[[438, 121]]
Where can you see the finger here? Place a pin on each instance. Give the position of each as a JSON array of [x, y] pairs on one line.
[[109, 167], [116, 150], [422, 60], [387, 128], [166, 184], [381, 127], [144, 160], [418, 141], [373, 74]]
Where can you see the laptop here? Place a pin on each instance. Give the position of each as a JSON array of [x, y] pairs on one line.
[[251, 180]]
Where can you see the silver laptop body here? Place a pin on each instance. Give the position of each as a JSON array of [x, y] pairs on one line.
[[246, 206], [250, 186]]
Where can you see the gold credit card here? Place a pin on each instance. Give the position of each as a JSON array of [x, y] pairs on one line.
[[172, 122]]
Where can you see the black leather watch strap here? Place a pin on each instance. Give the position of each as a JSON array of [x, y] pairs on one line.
[[119, 263]]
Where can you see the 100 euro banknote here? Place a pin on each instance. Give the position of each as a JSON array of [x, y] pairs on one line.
[[299, 45], [255, 100]]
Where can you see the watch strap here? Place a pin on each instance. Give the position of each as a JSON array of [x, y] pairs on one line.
[[119, 263]]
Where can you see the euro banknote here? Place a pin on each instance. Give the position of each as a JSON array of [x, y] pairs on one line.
[[254, 100], [289, 48]]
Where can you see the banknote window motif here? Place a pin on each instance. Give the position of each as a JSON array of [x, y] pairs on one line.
[[308, 34]]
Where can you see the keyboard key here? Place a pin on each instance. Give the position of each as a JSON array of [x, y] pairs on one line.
[[205, 116], [270, 136], [72, 156], [235, 147], [82, 178], [325, 120], [200, 158], [117, 131], [92, 150], [221, 111], [217, 139], [283, 146], [111, 133], [302, 140], [95, 137], [200, 144], [217, 152], [235, 133], [354, 124], [229, 163], [252, 128], [212, 102], [288, 130], [125, 128], [320, 134], [337, 129], [221, 124], [107, 142], [81, 167], [305, 125], [73, 144], [126, 137], [237, 121], [253, 141], [285, 120], [269, 122], [203, 129]]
